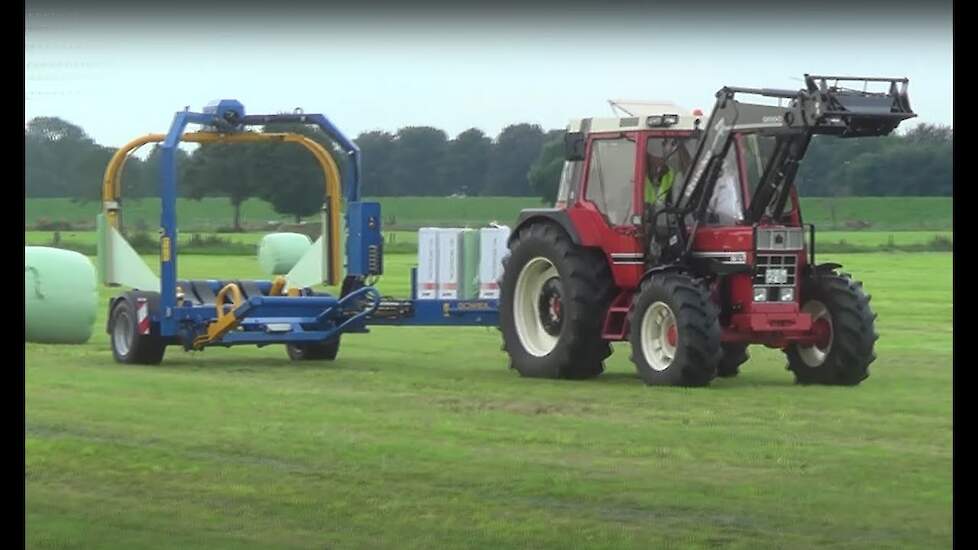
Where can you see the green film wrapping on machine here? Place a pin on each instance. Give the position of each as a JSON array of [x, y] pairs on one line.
[[279, 252], [469, 281], [60, 295]]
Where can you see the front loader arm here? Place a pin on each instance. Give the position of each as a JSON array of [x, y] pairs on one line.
[[817, 109]]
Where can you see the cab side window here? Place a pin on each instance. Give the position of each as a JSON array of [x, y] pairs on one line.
[[610, 178]]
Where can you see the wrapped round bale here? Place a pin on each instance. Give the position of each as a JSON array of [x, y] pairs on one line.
[[60, 295], [279, 252]]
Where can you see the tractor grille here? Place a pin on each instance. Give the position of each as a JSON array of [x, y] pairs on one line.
[[779, 238], [784, 264]]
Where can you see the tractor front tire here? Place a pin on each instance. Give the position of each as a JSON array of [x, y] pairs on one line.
[[129, 347], [734, 355], [846, 324], [553, 299], [675, 333]]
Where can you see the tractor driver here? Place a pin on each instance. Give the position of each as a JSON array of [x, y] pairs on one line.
[[658, 180], [665, 161]]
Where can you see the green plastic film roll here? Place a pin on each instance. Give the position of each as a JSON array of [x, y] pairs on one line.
[[469, 281]]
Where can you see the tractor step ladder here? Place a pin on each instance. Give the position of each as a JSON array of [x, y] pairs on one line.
[[616, 322]]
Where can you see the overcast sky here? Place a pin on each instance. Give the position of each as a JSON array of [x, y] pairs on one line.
[[120, 77]]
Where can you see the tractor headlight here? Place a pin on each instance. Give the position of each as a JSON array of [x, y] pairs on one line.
[[787, 295], [662, 120], [760, 294]]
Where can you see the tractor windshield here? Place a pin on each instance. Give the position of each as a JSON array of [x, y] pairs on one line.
[[668, 160], [726, 206], [769, 163], [758, 150]]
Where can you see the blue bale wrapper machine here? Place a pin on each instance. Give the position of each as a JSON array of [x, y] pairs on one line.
[[162, 311]]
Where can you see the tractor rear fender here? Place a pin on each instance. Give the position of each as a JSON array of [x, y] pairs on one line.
[[556, 216]]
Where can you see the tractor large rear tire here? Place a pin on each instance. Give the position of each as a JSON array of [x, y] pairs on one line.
[[553, 299], [843, 356], [675, 333]]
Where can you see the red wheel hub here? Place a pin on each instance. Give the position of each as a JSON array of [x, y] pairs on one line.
[[823, 332], [672, 335], [555, 307]]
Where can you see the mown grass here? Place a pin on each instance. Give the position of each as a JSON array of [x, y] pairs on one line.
[[407, 241], [422, 438], [882, 213]]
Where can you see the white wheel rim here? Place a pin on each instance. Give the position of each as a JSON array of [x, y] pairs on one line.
[[656, 347], [122, 332], [814, 356], [529, 327]]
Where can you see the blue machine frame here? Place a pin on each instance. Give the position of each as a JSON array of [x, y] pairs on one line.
[[310, 317]]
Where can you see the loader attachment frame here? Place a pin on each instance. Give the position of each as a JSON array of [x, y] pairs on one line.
[[820, 108]]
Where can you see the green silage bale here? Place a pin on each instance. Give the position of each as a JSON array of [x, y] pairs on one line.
[[279, 252], [60, 295]]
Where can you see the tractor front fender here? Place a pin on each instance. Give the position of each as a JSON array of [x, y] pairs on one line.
[[556, 216], [664, 268], [822, 269]]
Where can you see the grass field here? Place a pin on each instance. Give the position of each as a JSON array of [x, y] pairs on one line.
[[407, 241], [422, 438], [213, 213], [885, 213]]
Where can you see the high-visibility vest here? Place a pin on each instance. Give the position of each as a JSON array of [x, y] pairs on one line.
[[665, 184]]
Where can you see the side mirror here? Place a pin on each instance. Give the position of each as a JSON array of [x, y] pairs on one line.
[[574, 146]]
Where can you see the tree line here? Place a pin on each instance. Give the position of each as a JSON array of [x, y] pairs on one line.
[[61, 160]]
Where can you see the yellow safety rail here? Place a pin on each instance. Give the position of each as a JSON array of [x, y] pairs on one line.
[[112, 188]]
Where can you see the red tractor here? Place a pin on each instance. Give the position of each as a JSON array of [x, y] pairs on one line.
[[714, 262]]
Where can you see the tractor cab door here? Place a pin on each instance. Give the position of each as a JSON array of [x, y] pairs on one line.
[[612, 173], [608, 212]]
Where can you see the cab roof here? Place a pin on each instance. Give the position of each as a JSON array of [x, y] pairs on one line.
[[639, 115]]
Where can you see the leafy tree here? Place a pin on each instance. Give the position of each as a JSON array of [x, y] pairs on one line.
[[466, 162], [42, 169], [376, 157], [90, 173], [150, 177], [418, 161], [220, 169], [288, 176], [515, 150], [55, 153], [930, 134], [57, 130], [545, 172]]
